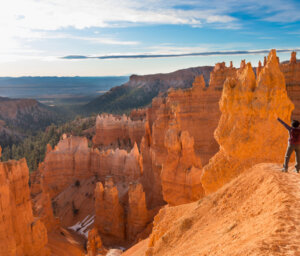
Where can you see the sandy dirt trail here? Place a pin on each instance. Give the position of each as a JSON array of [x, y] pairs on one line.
[[256, 214]]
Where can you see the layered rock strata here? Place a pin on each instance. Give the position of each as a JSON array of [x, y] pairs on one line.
[[118, 131], [181, 171], [254, 214], [195, 111], [109, 220], [291, 73], [20, 233], [248, 132], [138, 216]]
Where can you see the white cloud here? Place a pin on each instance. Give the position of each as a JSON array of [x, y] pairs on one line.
[[22, 21]]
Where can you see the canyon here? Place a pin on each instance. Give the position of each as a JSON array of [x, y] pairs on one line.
[[157, 181]]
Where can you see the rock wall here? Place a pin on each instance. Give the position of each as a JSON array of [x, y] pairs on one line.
[[181, 171], [69, 161], [248, 132], [138, 216], [291, 73], [195, 111], [20, 233], [219, 75], [109, 219], [118, 131]]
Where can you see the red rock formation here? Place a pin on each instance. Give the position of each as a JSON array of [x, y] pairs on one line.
[[125, 167], [94, 244], [138, 216], [118, 131], [20, 232], [219, 75], [197, 112], [254, 214], [181, 171], [42, 208], [109, 220], [291, 73], [70, 160], [138, 114], [248, 132], [259, 68]]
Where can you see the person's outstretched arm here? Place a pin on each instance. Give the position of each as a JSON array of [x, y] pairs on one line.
[[284, 124]]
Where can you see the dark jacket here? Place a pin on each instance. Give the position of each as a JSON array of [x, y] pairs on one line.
[[294, 133]]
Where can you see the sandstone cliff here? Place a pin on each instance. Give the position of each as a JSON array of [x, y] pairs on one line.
[[255, 214], [138, 216], [20, 233], [140, 90], [248, 124], [109, 220], [118, 131], [291, 73], [195, 111]]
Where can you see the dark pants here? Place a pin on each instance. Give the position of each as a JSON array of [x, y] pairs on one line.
[[290, 149]]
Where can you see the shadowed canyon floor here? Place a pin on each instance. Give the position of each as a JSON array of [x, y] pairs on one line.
[[258, 213]]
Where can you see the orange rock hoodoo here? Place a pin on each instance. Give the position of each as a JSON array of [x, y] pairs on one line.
[[138, 216], [195, 111], [248, 132], [118, 131], [20, 232], [291, 73], [109, 214]]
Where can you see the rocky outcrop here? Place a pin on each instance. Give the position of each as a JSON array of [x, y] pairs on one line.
[[248, 132], [195, 111], [291, 71], [140, 90], [118, 131], [138, 114], [254, 214], [123, 166], [69, 161], [20, 232], [219, 75], [109, 220], [94, 244], [181, 171], [138, 216]]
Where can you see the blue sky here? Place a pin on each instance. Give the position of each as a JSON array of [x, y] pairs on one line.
[[37, 34]]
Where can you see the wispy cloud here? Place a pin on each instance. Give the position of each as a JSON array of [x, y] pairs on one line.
[[145, 56]]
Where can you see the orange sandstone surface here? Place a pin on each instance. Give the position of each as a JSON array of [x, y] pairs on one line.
[[20, 232], [248, 132], [257, 213], [291, 71], [118, 131]]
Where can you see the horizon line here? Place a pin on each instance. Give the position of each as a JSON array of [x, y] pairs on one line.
[[146, 56]]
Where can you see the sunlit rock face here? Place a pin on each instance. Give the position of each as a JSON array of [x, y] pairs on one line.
[[219, 75], [69, 161], [181, 171], [247, 216], [195, 111], [20, 232], [94, 244], [248, 132], [118, 131], [109, 220], [291, 71], [138, 215]]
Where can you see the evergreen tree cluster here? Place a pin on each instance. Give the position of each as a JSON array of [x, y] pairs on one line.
[[33, 148]]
